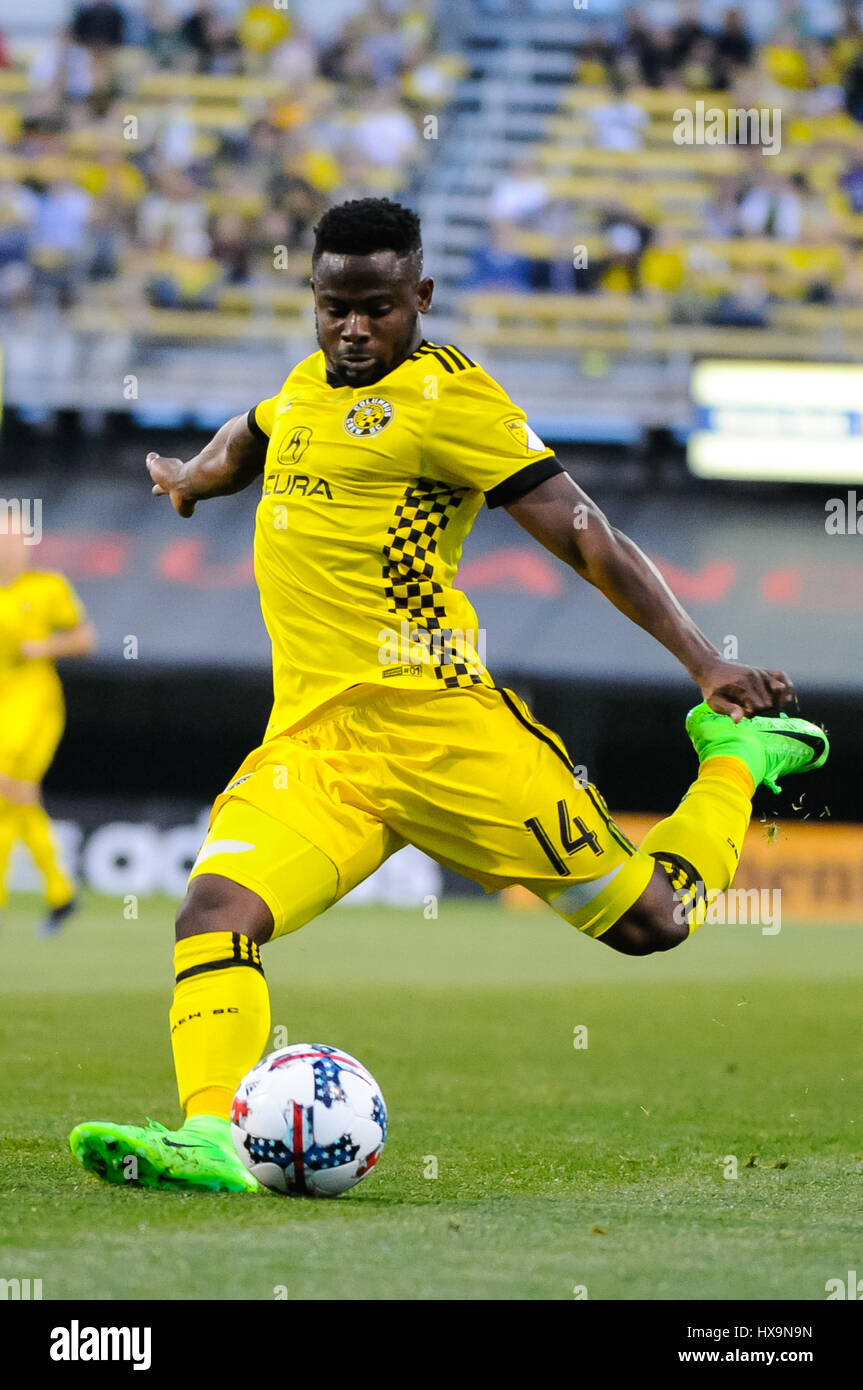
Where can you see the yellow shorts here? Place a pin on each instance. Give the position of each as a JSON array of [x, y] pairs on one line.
[[29, 733], [468, 776]]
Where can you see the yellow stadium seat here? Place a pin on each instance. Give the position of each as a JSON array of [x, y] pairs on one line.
[[209, 86]]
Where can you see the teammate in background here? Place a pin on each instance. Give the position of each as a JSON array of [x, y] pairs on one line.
[[386, 727], [41, 619]]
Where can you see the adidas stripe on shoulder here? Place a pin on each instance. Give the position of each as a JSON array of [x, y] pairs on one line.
[[451, 358]]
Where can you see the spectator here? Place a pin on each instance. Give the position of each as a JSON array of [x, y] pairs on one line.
[[626, 237], [386, 135], [262, 28], [852, 86], [232, 247], [296, 59], [211, 38], [173, 217], [619, 124], [852, 183], [848, 43], [520, 195], [687, 34], [785, 60], [496, 265], [19, 207], [771, 208], [100, 24], [58, 249], [639, 44], [63, 69], [701, 71], [662, 270], [734, 48], [745, 307], [160, 34], [383, 47]]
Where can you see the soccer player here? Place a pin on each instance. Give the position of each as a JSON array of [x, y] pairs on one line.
[[41, 619], [386, 727]]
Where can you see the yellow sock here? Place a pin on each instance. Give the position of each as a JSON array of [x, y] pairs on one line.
[[8, 836], [220, 1018], [36, 831], [699, 845]]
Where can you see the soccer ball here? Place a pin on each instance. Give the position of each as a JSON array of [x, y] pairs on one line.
[[309, 1120]]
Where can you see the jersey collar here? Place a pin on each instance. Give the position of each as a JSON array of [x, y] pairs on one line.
[[321, 370]]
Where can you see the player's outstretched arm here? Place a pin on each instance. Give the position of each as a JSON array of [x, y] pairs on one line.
[[76, 641], [568, 523], [233, 458]]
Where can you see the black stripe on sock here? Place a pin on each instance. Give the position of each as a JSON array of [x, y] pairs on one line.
[[230, 964], [672, 863]]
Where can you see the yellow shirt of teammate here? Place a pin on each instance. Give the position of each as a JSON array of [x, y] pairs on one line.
[[33, 606], [41, 618]]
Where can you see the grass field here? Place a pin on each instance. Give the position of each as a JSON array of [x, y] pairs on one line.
[[557, 1166]]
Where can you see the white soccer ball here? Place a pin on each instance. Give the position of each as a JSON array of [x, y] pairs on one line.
[[309, 1120]]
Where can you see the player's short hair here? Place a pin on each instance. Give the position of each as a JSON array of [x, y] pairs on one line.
[[365, 225]]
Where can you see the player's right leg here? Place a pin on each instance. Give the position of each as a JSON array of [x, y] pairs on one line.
[[698, 847]]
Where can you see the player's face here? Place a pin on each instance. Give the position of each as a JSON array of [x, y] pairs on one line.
[[14, 556], [367, 310]]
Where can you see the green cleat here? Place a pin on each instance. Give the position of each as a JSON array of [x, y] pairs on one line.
[[200, 1157], [771, 745]]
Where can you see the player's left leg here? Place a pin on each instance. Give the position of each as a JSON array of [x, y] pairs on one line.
[[27, 753], [261, 873], [220, 1015]]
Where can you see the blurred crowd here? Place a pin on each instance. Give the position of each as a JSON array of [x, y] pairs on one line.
[[173, 152], [807, 198], [183, 147]]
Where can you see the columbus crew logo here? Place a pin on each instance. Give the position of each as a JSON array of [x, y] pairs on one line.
[[369, 416]]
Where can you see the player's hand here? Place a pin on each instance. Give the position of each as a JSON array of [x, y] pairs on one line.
[[169, 480], [742, 691], [34, 651]]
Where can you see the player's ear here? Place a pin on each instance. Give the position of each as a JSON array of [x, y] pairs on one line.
[[425, 290]]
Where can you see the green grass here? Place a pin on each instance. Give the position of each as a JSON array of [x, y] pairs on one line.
[[557, 1167]]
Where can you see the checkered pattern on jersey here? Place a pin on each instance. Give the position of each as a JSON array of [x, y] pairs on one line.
[[410, 588]]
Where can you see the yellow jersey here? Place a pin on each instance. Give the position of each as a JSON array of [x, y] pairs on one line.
[[368, 495], [35, 604]]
